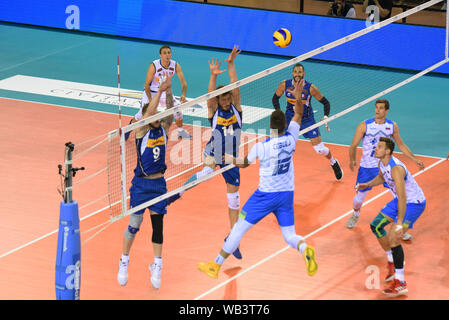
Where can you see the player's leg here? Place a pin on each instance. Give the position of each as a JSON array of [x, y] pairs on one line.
[[209, 163], [315, 138], [232, 179], [284, 213], [378, 228], [399, 285], [257, 207], [363, 175], [135, 220], [232, 242], [157, 213], [137, 194], [157, 240]]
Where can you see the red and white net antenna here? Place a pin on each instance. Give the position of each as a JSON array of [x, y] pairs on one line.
[[119, 105], [122, 144]]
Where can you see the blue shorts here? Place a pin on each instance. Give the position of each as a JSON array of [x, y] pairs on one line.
[[305, 123], [260, 204], [366, 175], [231, 176], [143, 190], [412, 211]]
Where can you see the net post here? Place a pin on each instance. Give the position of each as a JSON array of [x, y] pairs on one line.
[[68, 254]]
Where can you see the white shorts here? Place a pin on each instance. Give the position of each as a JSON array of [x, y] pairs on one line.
[[161, 107]]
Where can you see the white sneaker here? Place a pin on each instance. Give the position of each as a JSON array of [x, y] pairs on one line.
[[155, 270], [122, 276], [406, 236], [352, 221]]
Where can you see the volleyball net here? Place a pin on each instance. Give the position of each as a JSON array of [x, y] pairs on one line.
[[362, 85]]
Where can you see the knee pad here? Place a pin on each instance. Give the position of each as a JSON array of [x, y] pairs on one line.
[[177, 114], [378, 225], [135, 220], [157, 223], [234, 200], [290, 236], [358, 200], [321, 149]]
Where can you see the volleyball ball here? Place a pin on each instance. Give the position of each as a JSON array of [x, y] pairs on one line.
[[282, 37]]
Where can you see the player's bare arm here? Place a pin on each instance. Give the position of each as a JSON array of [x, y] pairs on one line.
[[398, 175], [238, 162], [150, 75], [212, 103], [358, 135], [379, 179], [405, 149], [232, 72], [183, 81]]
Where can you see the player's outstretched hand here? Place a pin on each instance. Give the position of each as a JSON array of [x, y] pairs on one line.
[[297, 89], [235, 51], [215, 67], [165, 82]]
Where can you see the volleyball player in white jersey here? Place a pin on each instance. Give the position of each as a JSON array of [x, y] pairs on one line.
[[275, 192], [369, 132], [407, 206], [164, 65]]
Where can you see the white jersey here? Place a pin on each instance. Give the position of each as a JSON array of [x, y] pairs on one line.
[[154, 87], [412, 190], [160, 70], [372, 135], [276, 164]]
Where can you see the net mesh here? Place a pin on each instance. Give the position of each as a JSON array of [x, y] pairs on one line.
[[365, 84]]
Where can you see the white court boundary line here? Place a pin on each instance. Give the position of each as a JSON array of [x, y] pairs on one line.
[[307, 236]]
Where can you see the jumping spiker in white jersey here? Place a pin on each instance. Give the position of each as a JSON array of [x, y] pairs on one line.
[[275, 192], [403, 211], [369, 132]]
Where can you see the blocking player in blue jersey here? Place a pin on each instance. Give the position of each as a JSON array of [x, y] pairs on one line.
[[308, 118], [225, 116], [149, 183], [275, 192]]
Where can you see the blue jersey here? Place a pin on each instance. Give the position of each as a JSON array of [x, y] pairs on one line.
[[305, 96], [151, 152], [226, 131]]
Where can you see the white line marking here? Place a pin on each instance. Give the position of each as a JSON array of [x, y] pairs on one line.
[[307, 236]]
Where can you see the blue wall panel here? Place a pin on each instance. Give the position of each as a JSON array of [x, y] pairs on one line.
[[398, 45]]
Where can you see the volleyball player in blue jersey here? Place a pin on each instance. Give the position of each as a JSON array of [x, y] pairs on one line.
[[225, 116], [308, 118], [149, 183]]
